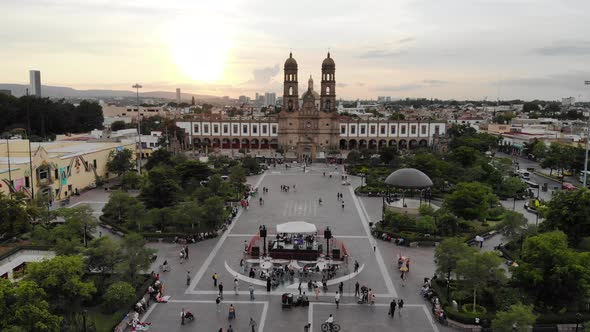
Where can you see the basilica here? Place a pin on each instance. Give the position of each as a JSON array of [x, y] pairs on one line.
[[308, 125]]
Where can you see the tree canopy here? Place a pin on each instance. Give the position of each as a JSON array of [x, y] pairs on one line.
[[519, 318], [120, 161], [569, 211], [470, 200]]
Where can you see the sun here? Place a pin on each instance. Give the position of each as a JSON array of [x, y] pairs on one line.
[[200, 50]]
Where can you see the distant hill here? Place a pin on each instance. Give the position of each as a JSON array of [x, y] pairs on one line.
[[66, 92]]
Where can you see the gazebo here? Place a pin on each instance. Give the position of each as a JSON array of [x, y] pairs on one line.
[[407, 179]]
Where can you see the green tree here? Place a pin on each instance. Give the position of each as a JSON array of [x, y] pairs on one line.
[[130, 181], [119, 209], [520, 318], [353, 157], [237, 178], [102, 255], [388, 154], [24, 307], [14, 216], [81, 217], [448, 253], [531, 107], [61, 278], [161, 188], [479, 269], [470, 200], [160, 156], [510, 187], [251, 165], [118, 125], [214, 213], [119, 294], [514, 224], [135, 256], [192, 172], [120, 161], [552, 273], [569, 211], [465, 155]]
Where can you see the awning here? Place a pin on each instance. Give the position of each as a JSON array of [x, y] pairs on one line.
[[296, 227]]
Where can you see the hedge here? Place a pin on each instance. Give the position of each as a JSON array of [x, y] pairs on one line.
[[465, 317], [564, 318]]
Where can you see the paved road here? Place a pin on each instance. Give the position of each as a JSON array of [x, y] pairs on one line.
[[349, 225]]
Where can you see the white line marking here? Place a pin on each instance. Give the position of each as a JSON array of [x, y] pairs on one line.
[[310, 316], [271, 235], [378, 257], [149, 312], [263, 317], [215, 250], [429, 316]]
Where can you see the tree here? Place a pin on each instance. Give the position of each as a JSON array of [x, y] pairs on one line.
[[14, 216], [251, 165], [387, 154], [102, 255], [237, 177], [161, 188], [552, 273], [519, 318], [192, 172], [89, 116], [510, 187], [465, 155], [61, 278], [214, 213], [24, 307], [160, 156], [514, 224], [135, 256], [480, 268], [119, 294], [569, 211], [81, 217], [470, 200], [531, 107], [118, 125], [353, 157], [448, 253], [130, 181], [120, 161], [119, 209]]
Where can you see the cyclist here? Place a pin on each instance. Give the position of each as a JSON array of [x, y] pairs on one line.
[[330, 322]]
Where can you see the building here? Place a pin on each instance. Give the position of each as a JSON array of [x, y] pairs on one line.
[[244, 99], [59, 168], [309, 126], [35, 81], [178, 95], [270, 98], [568, 101]]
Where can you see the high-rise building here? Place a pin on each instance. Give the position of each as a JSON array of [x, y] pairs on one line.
[[178, 95], [270, 98], [257, 95], [35, 81], [244, 99]]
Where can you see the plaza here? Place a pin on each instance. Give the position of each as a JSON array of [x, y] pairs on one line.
[[349, 224]]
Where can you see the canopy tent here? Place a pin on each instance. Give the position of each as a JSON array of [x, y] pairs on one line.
[[297, 227]]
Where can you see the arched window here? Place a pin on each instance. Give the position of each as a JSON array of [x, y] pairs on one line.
[[328, 105], [327, 90], [290, 105], [290, 91]]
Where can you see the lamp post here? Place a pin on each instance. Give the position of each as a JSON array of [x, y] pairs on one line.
[[586, 149], [262, 230], [32, 176], [327, 236], [137, 86]]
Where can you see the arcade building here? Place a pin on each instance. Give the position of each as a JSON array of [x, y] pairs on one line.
[[308, 125]]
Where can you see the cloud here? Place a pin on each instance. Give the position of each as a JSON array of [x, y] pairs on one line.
[[573, 80], [434, 82], [426, 83], [343, 84], [381, 54], [264, 75], [406, 40], [570, 48]]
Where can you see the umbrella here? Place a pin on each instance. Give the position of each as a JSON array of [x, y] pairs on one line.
[[479, 238], [403, 269]]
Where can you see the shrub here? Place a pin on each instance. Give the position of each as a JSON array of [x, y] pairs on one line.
[[479, 310], [130, 181], [119, 294]]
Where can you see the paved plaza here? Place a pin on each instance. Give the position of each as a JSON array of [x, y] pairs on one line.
[[350, 225]]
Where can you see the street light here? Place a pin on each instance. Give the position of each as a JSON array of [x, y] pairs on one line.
[[586, 151], [137, 86]]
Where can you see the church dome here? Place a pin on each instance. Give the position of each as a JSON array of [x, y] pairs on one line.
[[290, 63], [328, 62]]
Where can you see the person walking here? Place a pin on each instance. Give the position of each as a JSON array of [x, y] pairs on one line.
[[186, 252], [357, 288], [232, 312], [337, 300], [342, 204], [230, 329], [341, 287], [317, 292], [251, 289], [252, 324], [392, 307], [356, 266], [306, 327], [268, 284], [182, 316], [215, 277], [400, 305], [218, 303], [220, 287], [236, 286], [299, 287], [188, 278]]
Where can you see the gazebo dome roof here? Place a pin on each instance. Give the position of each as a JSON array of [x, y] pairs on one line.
[[409, 178]]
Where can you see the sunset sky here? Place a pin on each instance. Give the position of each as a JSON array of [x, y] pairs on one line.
[[400, 48]]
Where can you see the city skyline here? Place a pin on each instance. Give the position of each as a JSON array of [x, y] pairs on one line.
[[466, 50]]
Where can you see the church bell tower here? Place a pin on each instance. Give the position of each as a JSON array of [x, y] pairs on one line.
[[328, 88], [290, 87]]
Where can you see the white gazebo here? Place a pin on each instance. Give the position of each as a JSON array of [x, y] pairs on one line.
[[297, 227]]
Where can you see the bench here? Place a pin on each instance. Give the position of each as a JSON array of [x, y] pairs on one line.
[[464, 327]]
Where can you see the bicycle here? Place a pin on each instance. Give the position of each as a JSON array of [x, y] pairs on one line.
[[326, 327]]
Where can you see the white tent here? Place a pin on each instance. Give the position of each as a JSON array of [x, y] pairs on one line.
[[296, 227]]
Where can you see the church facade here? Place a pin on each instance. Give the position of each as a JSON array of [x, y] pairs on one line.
[[308, 126]]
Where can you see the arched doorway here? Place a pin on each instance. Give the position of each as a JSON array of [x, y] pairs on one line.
[[352, 144], [423, 143], [343, 144], [216, 143], [245, 143], [274, 143], [403, 144], [413, 144], [362, 144], [235, 143], [372, 144], [255, 144], [264, 143], [392, 143], [225, 143], [382, 143]]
